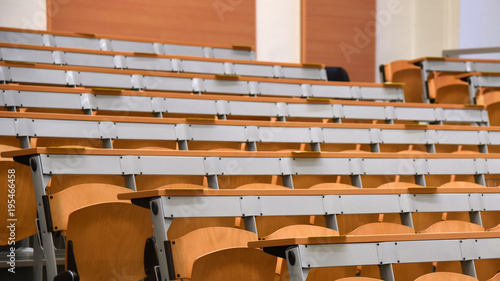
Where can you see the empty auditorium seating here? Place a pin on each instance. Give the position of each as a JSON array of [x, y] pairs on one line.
[[156, 62], [114, 43]]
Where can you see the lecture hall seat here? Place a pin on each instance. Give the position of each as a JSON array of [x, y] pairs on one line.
[[491, 100], [235, 264], [402, 272], [315, 274], [95, 238], [188, 248], [445, 276], [448, 89], [495, 278], [25, 203], [403, 71]]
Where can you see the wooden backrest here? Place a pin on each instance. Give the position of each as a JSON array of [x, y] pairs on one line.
[[21, 204], [464, 184], [331, 185], [109, 239], [188, 248], [63, 203], [495, 278], [397, 185], [445, 276], [381, 228], [265, 186], [453, 226], [358, 279], [403, 71], [496, 228], [242, 264], [301, 231]]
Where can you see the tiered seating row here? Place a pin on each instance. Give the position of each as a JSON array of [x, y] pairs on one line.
[[109, 43], [107, 128], [153, 62], [162, 103], [125, 79]]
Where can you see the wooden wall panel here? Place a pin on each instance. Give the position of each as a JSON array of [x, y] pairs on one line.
[[200, 21], [341, 33]]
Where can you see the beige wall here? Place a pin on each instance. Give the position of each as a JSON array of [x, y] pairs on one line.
[[416, 28], [30, 14], [278, 30]]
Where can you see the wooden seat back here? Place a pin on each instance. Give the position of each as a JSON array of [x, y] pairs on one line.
[[445, 276], [234, 264], [108, 240]]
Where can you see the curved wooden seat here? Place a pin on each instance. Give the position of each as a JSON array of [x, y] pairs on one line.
[[405, 272], [331, 185], [380, 228], [397, 185], [448, 89], [264, 186], [358, 279], [188, 248], [98, 234], [315, 274], [452, 226], [63, 203], [301, 230], [403, 71], [24, 201], [445, 276], [491, 100], [496, 228], [234, 264], [495, 278], [460, 184]]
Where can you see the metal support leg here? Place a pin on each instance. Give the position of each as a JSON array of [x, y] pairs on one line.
[[250, 224], [472, 89], [213, 182], [294, 262], [222, 117], [158, 114], [40, 182], [389, 121], [356, 181], [431, 148], [406, 219], [386, 272], [87, 112], [420, 180], [161, 225], [24, 142], [316, 146], [251, 146], [468, 268], [37, 260], [337, 120], [130, 182], [331, 222], [287, 181], [475, 217], [375, 147], [425, 89], [282, 119], [479, 179], [483, 148], [183, 145], [107, 143]]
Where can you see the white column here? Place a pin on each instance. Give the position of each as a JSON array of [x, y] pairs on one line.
[[28, 14], [278, 30]]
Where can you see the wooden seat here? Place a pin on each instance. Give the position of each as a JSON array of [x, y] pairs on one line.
[[404, 272], [182, 226], [63, 203], [495, 278], [24, 203], [358, 279], [234, 264], [448, 89], [268, 224], [327, 273], [445, 276], [380, 228], [98, 234], [491, 100], [452, 226], [188, 248], [403, 71]]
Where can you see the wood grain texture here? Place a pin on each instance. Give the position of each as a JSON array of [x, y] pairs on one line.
[[445, 276], [218, 21], [329, 27]]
